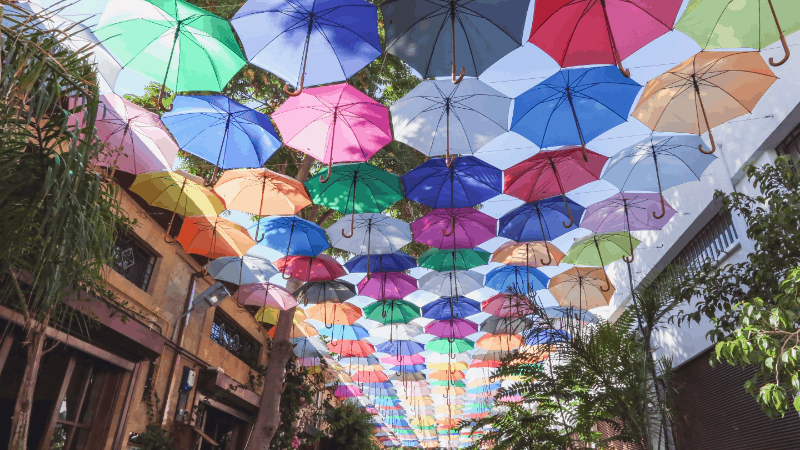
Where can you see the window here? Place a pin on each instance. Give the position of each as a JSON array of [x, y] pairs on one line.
[[791, 144], [709, 244], [226, 333], [133, 260]]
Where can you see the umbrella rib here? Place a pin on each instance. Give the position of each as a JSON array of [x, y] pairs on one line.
[[439, 33], [333, 24], [580, 94], [469, 45], [333, 50], [585, 12], [668, 27], [481, 114]]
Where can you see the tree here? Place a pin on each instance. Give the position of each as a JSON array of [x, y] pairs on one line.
[[58, 216], [350, 427]]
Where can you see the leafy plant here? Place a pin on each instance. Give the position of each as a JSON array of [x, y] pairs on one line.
[[350, 427]]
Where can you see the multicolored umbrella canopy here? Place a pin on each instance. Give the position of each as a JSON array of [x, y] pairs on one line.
[[454, 259], [581, 287]]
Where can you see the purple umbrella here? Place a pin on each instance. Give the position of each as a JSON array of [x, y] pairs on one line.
[[450, 228], [452, 329], [387, 285], [345, 391], [627, 211]]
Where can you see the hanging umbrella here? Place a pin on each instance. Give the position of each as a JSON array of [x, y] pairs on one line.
[[450, 308], [239, 270], [450, 228], [466, 183], [346, 347], [331, 313], [499, 342], [551, 173], [530, 254], [343, 391], [671, 160], [261, 192], [316, 292], [369, 377], [265, 295], [422, 119], [721, 24], [560, 312], [584, 32], [574, 106], [452, 347], [516, 279], [506, 305], [221, 131], [424, 34], [455, 259], [451, 329], [403, 360], [292, 235], [309, 43], [729, 83], [356, 189], [400, 347], [346, 332], [299, 329], [599, 249], [392, 311], [310, 268], [541, 220], [335, 123], [451, 284], [309, 347], [390, 262], [373, 234], [387, 285], [414, 368], [214, 237], [175, 42], [397, 332], [581, 287], [447, 375], [506, 325], [271, 315]]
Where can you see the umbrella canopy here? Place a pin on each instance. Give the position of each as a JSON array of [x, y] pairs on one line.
[[541, 220], [560, 312], [392, 311], [451, 228], [439, 118], [466, 183], [455, 259], [453, 346], [403, 360], [271, 315], [446, 375], [239, 270], [391, 262], [531, 254], [344, 391], [221, 131], [174, 42], [351, 348], [706, 90], [292, 235], [499, 342], [332, 313], [574, 106], [584, 32], [265, 295], [369, 377], [451, 329], [261, 192], [400, 347], [627, 211], [600, 249], [506, 325], [516, 279], [309, 347], [506, 305], [450, 308], [346, 332], [373, 234], [214, 237], [397, 331], [310, 268], [387, 285], [316, 292], [581, 287], [451, 284]]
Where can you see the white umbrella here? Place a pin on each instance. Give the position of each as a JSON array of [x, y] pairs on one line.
[[373, 234], [398, 331], [449, 284], [241, 270]]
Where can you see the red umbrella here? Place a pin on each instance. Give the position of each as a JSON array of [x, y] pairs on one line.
[[550, 173], [348, 348], [368, 376], [310, 268], [582, 32]]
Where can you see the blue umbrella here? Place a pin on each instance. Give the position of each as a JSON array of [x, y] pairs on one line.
[[390, 262], [309, 42], [344, 332], [400, 348], [466, 183], [484, 388], [292, 235], [221, 131], [445, 308], [574, 106], [516, 278], [543, 336], [412, 368]]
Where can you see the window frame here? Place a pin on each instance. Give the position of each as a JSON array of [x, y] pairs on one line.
[[137, 246]]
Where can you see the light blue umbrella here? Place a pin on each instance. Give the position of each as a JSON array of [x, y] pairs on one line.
[[658, 162], [344, 332], [517, 278], [292, 235]]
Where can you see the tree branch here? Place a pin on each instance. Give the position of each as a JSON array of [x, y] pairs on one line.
[[325, 216]]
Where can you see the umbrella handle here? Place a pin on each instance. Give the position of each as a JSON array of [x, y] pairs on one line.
[[453, 28], [283, 275], [549, 255], [452, 229], [328, 176], [625, 72], [663, 209], [783, 39], [630, 239], [608, 283], [160, 101], [569, 212], [352, 227]]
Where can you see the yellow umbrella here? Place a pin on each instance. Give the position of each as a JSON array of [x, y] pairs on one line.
[[423, 422], [581, 287], [449, 366], [270, 316], [531, 254]]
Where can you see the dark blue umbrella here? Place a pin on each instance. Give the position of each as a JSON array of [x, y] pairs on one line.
[[292, 235], [413, 368], [544, 336], [574, 106], [446, 308], [309, 42], [517, 278], [466, 183], [221, 131], [390, 262], [400, 348]]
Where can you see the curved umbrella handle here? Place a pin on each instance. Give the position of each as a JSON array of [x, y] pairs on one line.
[[160, 101], [326, 178], [569, 212], [463, 71], [549, 255], [608, 283], [625, 72], [663, 209], [167, 238], [452, 229], [283, 275], [783, 39], [713, 144], [453, 29], [625, 258], [352, 227]]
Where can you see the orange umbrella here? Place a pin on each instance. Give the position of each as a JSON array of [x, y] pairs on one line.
[[580, 287], [529, 254], [346, 347], [449, 423], [298, 330], [331, 313], [366, 376], [214, 237], [706, 90], [451, 365], [446, 375], [500, 342], [262, 192]]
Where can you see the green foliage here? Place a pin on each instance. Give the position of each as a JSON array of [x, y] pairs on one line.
[[297, 403], [155, 438], [350, 427]]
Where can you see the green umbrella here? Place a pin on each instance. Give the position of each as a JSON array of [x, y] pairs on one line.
[[188, 48], [456, 383], [392, 311], [599, 249], [442, 260], [445, 346], [355, 189], [741, 23]]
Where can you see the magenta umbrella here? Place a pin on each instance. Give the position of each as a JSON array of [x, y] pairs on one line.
[[387, 285], [452, 329], [265, 295], [346, 391], [403, 360], [334, 124], [451, 228]]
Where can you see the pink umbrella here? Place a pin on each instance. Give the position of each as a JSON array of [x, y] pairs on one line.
[[265, 295], [369, 376], [403, 360], [143, 141], [450, 228], [505, 305], [345, 391], [453, 329], [387, 285], [335, 123], [310, 268]]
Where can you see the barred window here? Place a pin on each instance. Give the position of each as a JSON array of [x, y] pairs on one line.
[[229, 335], [133, 260], [790, 145], [709, 244]]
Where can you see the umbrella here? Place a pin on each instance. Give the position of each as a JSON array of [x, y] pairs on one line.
[[506, 325], [309, 43], [400, 347], [214, 237], [452, 347], [450, 308], [335, 123], [310, 268], [331, 313], [390, 262], [507, 305], [581, 287], [455, 259], [551, 173], [221, 131], [419, 32], [356, 189], [719, 24], [346, 347], [309, 347], [271, 315], [541, 220], [373, 234], [584, 32], [346, 332], [392, 311], [451, 284], [186, 47], [343, 391], [560, 312], [387, 285], [240, 270], [574, 106], [499, 342], [414, 368], [466, 183], [316, 292], [292, 235], [671, 160], [422, 118], [369, 377], [516, 279], [447, 375], [403, 360], [730, 83], [530, 254], [397, 331], [261, 192], [177, 193], [599, 249], [299, 329], [451, 329], [264, 295], [450, 228]]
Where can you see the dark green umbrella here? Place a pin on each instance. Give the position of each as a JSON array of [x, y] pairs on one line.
[[392, 311], [442, 260]]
